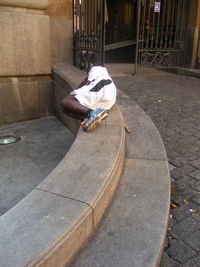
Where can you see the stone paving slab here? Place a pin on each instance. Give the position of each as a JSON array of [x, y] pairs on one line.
[[81, 187], [144, 138], [23, 165], [24, 237], [128, 233]]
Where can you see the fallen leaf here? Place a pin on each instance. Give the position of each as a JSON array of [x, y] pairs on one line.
[[46, 217], [186, 202], [126, 128], [191, 210], [173, 205]]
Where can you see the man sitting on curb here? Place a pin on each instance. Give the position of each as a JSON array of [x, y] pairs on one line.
[[93, 98]]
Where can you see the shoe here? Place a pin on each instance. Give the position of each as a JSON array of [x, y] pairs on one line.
[[94, 118]]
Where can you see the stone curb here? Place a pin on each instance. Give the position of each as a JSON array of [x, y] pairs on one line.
[[133, 231], [51, 224], [184, 71]]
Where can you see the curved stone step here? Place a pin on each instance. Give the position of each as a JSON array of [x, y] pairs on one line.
[[134, 228]]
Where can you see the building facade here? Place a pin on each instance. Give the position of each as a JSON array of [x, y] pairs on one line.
[[34, 35]]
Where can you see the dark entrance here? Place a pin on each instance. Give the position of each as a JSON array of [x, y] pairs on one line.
[[117, 30], [120, 30], [161, 39]]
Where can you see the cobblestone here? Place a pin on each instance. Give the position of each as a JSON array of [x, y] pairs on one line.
[[173, 102], [182, 211], [195, 174], [168, 262], [194, 240], [184, 228], [180, 252], [194, 262]]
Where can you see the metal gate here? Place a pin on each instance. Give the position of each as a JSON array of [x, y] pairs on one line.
[[88, 43], [161, 33]]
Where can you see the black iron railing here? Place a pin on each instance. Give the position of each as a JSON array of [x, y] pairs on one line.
[[88, 33], [161, 38]]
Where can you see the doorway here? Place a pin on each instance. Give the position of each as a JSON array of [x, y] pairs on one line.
[[120, 31]]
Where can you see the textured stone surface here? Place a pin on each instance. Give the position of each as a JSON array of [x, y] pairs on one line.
[[25, 44], [43, 216], [25, 164], [23, 100], [61, 37], [45, 97], [59, 93], [88, 175], [144, 137], [72, 75], [129, 235], [38, 4]]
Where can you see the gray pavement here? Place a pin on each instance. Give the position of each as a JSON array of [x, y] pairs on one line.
[[23, 165], [173, 103]]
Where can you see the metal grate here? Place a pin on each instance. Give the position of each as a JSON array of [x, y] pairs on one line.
[[88, 33], [161, 33]]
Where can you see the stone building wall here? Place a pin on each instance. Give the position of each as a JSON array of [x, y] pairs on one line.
[[25, 61], [61, 30]]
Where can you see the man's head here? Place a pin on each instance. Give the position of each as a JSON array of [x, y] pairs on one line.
[[96, 72]]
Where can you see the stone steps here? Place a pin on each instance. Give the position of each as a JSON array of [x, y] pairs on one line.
[[134, 228], [50, 225]]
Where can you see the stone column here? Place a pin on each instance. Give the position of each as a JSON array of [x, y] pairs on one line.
[[25, 65]]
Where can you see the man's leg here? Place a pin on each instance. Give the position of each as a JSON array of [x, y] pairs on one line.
[[70, 103], [74, 109], [90, 118]]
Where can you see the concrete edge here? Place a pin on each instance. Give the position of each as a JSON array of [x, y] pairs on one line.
[[166, 217], [68, 244], [183, 71]]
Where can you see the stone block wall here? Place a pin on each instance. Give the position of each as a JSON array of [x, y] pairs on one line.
[[26, 90], [24, 44], [61, 30], [31, 4], [61, 37], [25, 99]]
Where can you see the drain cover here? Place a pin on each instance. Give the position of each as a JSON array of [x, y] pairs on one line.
[[9, 139]]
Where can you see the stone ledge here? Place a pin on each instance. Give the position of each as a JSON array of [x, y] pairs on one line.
[[50, 224], [133, 232], [36, 4]]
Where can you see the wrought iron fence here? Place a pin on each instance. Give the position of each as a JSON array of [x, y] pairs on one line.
[[161, 34], [88, 27]]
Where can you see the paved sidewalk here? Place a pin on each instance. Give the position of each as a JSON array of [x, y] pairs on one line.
[[173, 103]]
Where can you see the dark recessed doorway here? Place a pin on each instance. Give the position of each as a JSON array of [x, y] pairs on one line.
[[120, 31]]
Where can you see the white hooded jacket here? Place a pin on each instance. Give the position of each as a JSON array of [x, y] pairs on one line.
[[100, 92]]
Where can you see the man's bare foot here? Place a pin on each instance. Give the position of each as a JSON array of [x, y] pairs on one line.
[[84, 121]]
